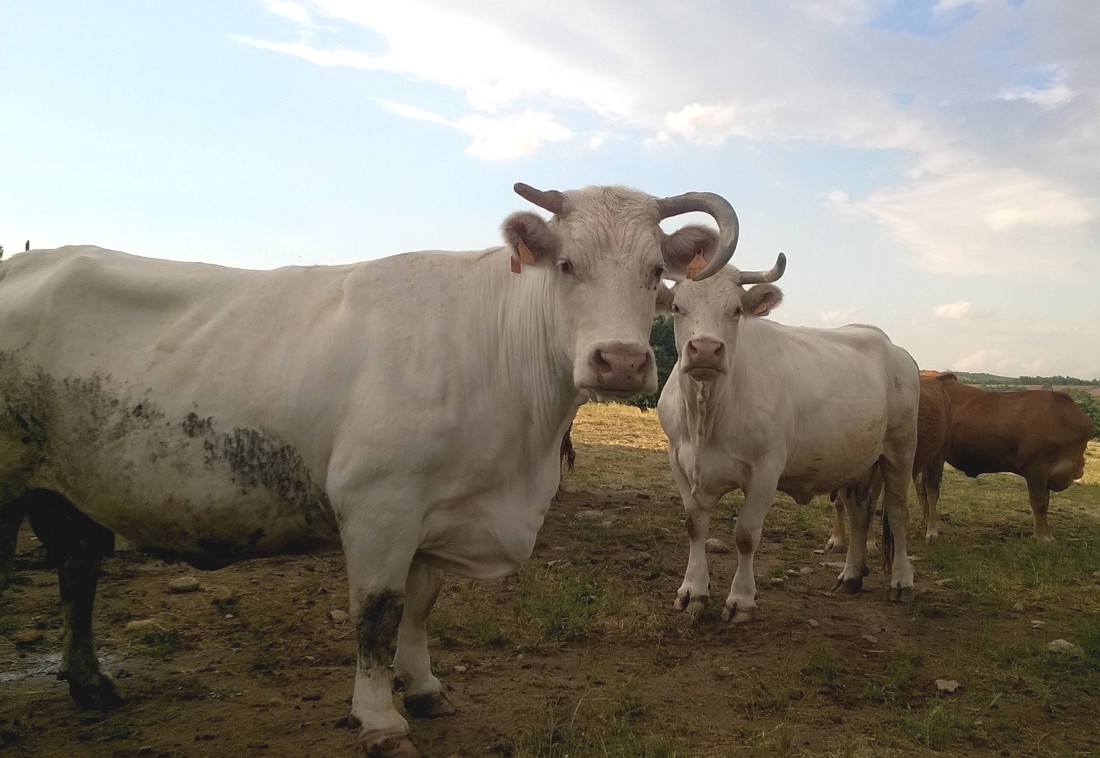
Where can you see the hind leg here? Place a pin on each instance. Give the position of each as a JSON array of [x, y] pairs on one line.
[[77, 545], [11, 517], [1040, 500]]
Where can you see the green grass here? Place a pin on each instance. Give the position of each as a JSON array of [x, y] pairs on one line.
[[564, 606], [163, 643]]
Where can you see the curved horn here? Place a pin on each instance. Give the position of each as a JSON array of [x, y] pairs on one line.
[[763, 277], [718, 207], [550, 200]]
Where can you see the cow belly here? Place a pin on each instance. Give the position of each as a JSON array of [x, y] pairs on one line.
[[177, 482]]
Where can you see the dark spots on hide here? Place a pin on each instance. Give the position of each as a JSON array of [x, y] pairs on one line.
[[193, 426], [376, 626], [258, 459]]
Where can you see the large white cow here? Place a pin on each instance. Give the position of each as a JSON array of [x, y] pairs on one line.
[[759, 406], [410, 408]]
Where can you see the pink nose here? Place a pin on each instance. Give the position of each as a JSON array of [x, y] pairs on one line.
[[706, 353], [622, 367]]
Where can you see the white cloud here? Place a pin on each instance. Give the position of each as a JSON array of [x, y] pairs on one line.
[[992, 151], [952, 310]]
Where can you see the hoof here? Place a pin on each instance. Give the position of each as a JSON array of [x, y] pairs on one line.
[[98, 696], [429, 706], [693, 604], [930, 537], [737, 615], [389, 745], [850, 586], [902, 595], [834, 544]]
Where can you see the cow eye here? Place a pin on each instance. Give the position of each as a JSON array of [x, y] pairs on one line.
[[676, 310], [738, 311], [659, 272], [566, 266]]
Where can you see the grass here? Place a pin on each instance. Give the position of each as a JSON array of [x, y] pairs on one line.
[[162, 643], [986, 557]]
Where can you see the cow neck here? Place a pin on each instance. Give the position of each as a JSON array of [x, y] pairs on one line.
[[530, 365], [701, 401]]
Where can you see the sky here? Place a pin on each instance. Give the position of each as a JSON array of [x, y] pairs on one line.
[[930, 167]]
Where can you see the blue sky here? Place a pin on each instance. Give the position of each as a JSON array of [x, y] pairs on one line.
[[929, 167]]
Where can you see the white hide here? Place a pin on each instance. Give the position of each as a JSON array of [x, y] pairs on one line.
[[409, 408], [805, 411]]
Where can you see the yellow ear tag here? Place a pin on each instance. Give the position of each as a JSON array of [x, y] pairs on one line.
[[524, 256], [698, 263]]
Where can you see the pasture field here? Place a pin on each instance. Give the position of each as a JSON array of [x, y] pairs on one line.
[[580, 652]]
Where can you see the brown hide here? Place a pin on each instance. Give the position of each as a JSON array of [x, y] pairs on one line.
[[1037, 434], [1031, 433]]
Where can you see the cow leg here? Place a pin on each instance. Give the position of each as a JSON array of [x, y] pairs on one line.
[[378, 571], [928, 492], [77, 545], [859, 508], [412, 665], [11, 518], [746, 536], [1040, 500], [694, 592], [836, 539], [895, 513]]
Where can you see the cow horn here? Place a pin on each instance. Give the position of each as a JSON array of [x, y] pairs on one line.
[[763, 277], [718, 207], [550, 200]]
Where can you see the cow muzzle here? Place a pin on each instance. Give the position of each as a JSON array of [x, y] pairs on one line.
[[620, 370], [704, 359]]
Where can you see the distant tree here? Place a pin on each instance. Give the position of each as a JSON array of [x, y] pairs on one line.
[[1089, 405], [663, 341]]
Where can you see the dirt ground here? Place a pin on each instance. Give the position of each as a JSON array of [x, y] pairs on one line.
[[259, 661]]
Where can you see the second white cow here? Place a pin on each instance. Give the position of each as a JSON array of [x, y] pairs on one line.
[[759, 406]]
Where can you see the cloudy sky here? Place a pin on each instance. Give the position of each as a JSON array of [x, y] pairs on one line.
[[931, 167]]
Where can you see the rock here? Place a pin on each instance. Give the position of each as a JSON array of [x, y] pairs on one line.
[[1036, 624], [947, 685], [184, 584], [590, 515], [777, 581], [460, 669], [1064, 647], [805, 571], [814, 623], [869, 638], [338, 616], [715, 545]]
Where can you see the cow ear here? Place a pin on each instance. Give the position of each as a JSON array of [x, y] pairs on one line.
[[690, 244], [761, 299], [530, 238], [664, 298]]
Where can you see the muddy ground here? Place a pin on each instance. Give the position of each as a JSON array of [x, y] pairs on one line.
[[259, 660]]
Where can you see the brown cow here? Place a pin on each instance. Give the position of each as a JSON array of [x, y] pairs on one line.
[[933, 419], [1037, 434]]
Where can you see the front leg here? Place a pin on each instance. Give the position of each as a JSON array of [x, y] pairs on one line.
[[836, 539], [746, 535], [378, 571], [412, 664], [694, 592]]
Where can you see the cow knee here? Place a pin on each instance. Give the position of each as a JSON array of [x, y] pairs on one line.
[[376, 623]]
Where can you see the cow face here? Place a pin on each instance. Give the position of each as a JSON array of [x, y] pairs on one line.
[[601, 260], [707, 316]]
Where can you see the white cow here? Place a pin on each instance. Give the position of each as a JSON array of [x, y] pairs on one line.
[[410, 408], [759, 406]]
